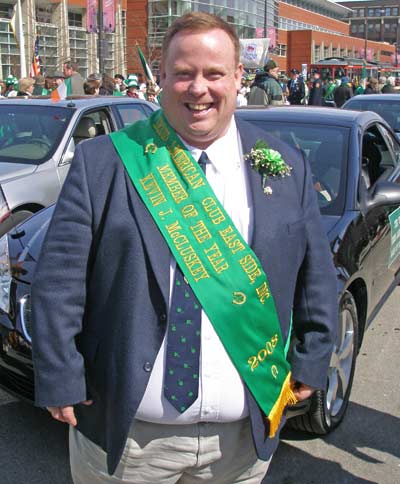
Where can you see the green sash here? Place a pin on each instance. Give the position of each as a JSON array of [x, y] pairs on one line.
[[222, 270]]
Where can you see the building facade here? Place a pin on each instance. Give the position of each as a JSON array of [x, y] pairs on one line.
[[300, 31], [60, 26], [327, 33], [376, 20]]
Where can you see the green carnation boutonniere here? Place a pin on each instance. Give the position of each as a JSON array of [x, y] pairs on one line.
[[268, 162]]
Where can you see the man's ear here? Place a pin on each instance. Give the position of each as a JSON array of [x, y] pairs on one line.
[[238, 76]]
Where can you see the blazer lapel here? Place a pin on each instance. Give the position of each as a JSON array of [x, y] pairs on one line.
[[154, 243], [261, 210]]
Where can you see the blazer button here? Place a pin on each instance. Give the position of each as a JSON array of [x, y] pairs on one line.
[[147, 366], [163, 317]]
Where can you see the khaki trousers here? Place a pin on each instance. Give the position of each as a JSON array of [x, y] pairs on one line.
[[217, 453]]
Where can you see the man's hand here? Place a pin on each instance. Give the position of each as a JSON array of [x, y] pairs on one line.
[[301, 390], [66, 414]]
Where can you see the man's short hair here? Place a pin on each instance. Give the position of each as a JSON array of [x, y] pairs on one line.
[[271, 64], [71, 65], [200, 22]]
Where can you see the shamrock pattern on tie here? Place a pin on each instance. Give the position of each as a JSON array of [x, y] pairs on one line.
[[181, 379]]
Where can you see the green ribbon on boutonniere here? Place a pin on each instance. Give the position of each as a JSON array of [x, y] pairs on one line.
[[268, 162]]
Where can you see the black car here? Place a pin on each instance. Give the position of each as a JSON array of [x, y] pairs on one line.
[[355, 159], [387, 106]]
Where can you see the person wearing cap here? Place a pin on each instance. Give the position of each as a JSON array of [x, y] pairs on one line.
[[266, 89], [315, 98], [296, 88], [25, 87], [11, 86], [343, 92], [132, 86]]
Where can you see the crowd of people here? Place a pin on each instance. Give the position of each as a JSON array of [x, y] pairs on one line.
[[269, 87], [133, 85]]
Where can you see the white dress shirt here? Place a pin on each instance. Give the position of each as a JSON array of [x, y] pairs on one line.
[[221, 396]]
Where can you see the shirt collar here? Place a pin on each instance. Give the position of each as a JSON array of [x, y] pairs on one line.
[[214, 151]]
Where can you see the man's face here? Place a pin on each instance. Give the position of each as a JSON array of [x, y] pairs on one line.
[[200, 79], [67, 71], [274, 72]]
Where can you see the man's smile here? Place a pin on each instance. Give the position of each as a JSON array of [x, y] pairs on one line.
[[199, 107]]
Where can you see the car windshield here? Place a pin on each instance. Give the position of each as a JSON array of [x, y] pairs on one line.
[[389, 110], [325, 148], [31, 133]]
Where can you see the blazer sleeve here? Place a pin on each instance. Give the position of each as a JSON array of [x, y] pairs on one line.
[[315, 306], [58, 294]]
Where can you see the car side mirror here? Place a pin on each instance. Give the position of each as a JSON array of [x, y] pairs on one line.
[[69, 153], [383, 193]]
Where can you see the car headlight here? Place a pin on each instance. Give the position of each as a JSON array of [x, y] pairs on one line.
[[4, 208], [5, 274]]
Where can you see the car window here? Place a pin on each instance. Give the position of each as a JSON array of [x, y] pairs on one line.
[[31, 134], [92, 124], [325, 148], [377, 159], [390, 111], [132, 112], [393, 144]]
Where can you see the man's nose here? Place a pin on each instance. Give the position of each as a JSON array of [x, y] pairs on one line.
[[198, 86]]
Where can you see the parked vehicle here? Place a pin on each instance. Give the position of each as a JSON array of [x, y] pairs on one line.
[[386, 105], [355, 159], [37, 143]]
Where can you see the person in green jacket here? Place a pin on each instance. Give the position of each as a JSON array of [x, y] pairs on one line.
[[266, 89]]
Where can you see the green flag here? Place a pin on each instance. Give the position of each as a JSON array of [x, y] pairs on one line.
[[364, 70], [145, 66]]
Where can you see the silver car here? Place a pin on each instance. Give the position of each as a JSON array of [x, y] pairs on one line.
[[37, 143]]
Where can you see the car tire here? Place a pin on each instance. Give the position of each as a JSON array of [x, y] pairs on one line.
[[328, 407]]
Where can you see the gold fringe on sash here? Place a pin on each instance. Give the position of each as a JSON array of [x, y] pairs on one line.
[[286, 397]]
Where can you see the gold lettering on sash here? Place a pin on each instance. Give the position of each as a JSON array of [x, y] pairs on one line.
[[187, 168], [186, 251], [263, 292], [214, 255], [213, 211], [161, 129], [173, 184], [250, 267], [200, 231], [263, 354], [153, 190], [231, 240], [189, 211], [163, 213]]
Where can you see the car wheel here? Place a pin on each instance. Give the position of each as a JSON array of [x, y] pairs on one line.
[[328, 407]]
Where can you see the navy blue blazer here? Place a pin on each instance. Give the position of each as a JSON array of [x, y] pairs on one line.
[[100, 291]]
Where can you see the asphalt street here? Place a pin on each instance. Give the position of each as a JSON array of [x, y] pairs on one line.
[[365, 449]]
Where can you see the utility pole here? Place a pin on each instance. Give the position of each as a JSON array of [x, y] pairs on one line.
[[101, 38], [365, 38]]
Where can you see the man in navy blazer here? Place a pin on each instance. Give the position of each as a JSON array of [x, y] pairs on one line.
[[102, 290]]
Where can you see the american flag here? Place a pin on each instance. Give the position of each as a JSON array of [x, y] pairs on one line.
[[35, 67]]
